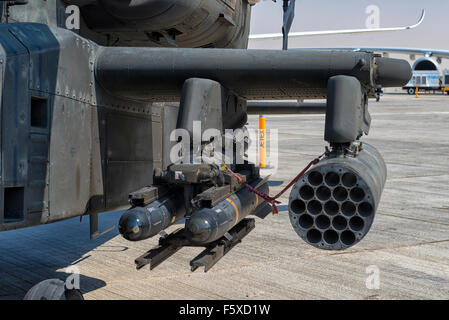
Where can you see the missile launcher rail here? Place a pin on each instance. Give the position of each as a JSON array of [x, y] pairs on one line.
[[331, 207], [230, 204], [212, 253]]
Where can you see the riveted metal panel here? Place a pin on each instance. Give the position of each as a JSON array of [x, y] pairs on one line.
[[14, 110], [75, 69], [44, 52], [129, 156], [70, 161], [14, 126], [2, 59]]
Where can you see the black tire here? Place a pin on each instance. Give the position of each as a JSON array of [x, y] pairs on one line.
[[411, 91], [53, 289]]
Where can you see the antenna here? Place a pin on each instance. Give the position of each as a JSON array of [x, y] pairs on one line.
[[289, 16]]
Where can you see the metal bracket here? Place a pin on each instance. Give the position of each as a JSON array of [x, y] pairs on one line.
[[94, 233], [218, 249], [167, 247], [147, 195], [213, 252]]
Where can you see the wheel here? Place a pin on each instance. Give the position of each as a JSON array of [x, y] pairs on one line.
[[411, 91], [53, 289]]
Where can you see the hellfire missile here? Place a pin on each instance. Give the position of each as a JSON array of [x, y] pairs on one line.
[[209, 224], [140, 223]]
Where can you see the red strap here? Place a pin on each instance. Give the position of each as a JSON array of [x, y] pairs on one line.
[[273, 200], [312, 163]]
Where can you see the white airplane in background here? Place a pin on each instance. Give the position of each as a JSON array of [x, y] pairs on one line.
[[277, 36], [427, 75], [430, 61], [439, 54], [434, 56], [427, 53]]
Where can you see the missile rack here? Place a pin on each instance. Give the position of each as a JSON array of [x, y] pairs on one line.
[[213, 252], [190, 175]]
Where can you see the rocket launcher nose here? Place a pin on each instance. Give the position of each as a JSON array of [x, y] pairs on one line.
[[392, 72]]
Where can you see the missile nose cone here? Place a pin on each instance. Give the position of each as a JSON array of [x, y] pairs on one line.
[[198, 229], [130, 227]]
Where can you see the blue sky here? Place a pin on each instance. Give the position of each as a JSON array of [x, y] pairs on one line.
[[350, 14]]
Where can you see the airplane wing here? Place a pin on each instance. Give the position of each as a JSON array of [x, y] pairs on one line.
[[275, 36], [425, 52]]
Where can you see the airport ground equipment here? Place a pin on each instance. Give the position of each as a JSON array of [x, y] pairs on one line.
[[424, 81], [428, 81]]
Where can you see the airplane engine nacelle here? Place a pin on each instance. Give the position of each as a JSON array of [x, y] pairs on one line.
[[168, 23], [332, 207]]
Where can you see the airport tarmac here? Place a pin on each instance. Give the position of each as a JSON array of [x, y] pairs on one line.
[[408, 243]]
